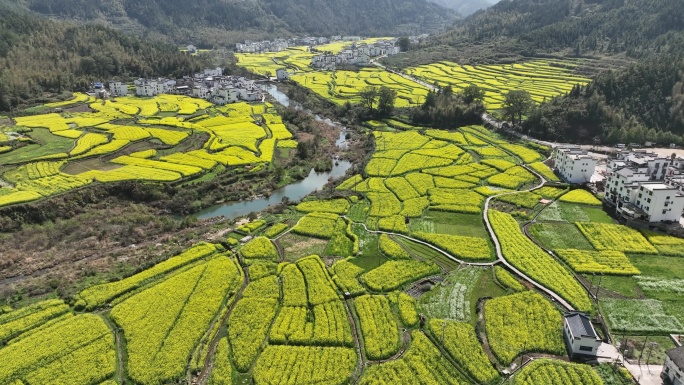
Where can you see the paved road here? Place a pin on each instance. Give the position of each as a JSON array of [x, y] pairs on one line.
[[500, 255], [644, 374]]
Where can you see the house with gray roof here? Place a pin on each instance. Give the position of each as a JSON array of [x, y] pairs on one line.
[[579, 335], [674, 366]]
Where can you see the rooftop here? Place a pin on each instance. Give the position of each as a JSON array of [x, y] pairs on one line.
[[677, 356], [656, 186], [580, 325]]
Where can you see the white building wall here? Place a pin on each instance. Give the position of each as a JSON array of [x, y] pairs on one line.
[[675, 374]]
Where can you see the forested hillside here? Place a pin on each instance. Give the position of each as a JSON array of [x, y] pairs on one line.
[[208, 22], [644, 102], [38, 55], [640, 28], [512, 29], [465, 7]]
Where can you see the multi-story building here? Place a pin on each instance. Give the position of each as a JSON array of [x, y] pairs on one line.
[[574, 164], [674, 366], [118, 88], [635, 196]]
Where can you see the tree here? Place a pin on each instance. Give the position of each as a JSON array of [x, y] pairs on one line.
[[386, 99], [517, 104], [404, 44], [368, 96], [472, 93]]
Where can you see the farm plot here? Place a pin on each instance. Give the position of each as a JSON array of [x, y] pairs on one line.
[[450, 299], [523, 322], [533, 261], [462, 344], [666, 245], [236, 138], [75, 350], [99, 295], [581, 197], [538, 77], [422, 364], [163, 324], [605, 236], [639, 316], [314, 365], [344, 86], [380, 331], [557, 372], [394, 274], [607, 261]]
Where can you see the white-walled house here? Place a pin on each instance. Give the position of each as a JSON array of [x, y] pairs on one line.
[[579, 335], [636, 196], [660, 202], [674, 366], [282, 74], [146, 89], [574, 164], [118, 88]]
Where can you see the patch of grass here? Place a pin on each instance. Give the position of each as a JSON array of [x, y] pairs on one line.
[[638, 344], [485, 287], [370, 256], [359, 211], [568, 212], [48, 144], [626, 286], [470, 225], [560, 236], [427, 253], [646, 316], [658, 266], [298, 246], [451, 298]]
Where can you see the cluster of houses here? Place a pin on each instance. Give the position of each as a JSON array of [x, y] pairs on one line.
[[640, 185], [278, 45], [210, 85], [356, 54]]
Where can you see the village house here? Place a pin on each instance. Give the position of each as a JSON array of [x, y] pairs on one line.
[[673, 370], [579, 335], [282, 74], [118, 88], [209, 84], [635, 196], [643, 161], [574, 165]]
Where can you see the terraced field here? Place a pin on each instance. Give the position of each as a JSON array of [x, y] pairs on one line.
[[543, 79], [345, 86], [55, 152]]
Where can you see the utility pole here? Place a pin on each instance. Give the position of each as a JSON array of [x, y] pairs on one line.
[[642, 351], [591, 285], [599, 286], [653, 344]]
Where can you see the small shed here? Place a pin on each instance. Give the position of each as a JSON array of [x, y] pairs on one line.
[[580, 336], [674, 366]]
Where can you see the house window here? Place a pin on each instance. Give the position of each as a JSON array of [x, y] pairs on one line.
[[649, 200], [664, 211], [586, 348]]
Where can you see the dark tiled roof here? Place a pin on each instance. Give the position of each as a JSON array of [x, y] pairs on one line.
[[677, 356], [580, 325]]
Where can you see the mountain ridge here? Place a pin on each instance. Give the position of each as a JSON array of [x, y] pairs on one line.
[[217, 22]]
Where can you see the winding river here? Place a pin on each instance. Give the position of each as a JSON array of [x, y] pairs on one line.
[[295, 191]]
